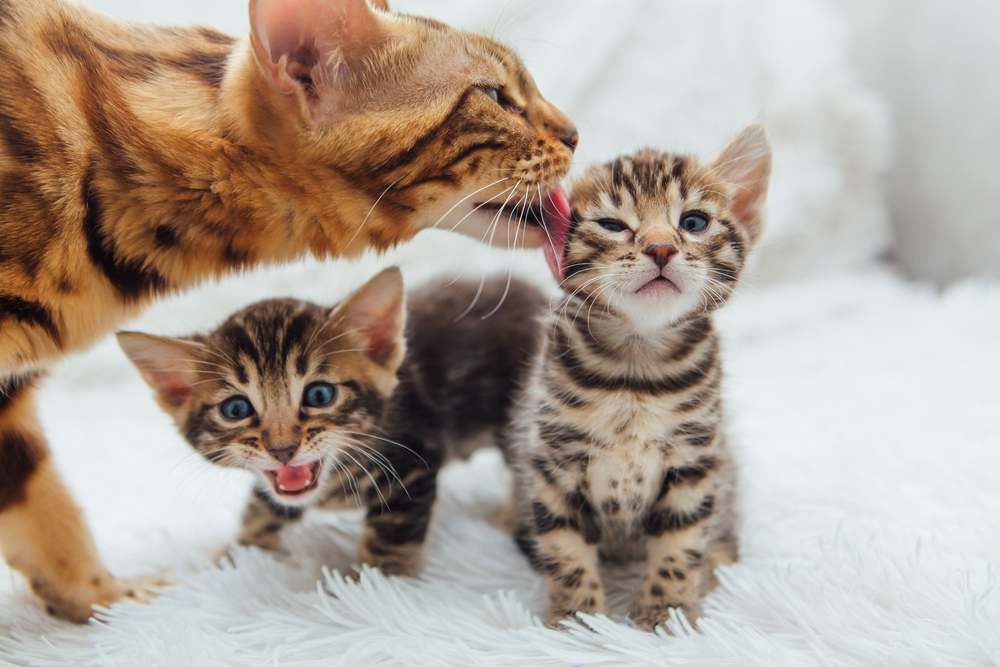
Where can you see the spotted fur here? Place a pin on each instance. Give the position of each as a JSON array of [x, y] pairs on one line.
[[137, 161], [620, 447], [396, 420]]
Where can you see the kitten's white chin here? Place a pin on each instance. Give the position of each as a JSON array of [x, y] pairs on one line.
[[656, 306]]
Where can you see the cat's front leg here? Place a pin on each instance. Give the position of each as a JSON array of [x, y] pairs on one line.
[[564, 551], [264, 519], [678, 540], [396, 523]]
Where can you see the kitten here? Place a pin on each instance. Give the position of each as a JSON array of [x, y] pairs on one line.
[[619, 446], [333, 408], [138, 161]]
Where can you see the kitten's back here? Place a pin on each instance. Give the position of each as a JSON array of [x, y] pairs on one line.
[[467, 357]]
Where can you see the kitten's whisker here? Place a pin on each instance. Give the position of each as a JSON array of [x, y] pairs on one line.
[[390, 442], [364, 469]]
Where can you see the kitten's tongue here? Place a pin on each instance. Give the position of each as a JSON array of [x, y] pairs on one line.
[[557, 214], [294, 478]]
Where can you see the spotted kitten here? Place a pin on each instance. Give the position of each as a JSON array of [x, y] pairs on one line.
[[335, 408], [619, 440]]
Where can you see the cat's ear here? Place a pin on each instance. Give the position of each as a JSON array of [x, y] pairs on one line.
[[168, 365], [745, 164], [305, 46], [375, 317]]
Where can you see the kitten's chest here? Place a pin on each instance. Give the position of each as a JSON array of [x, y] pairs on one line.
[[625, 480]]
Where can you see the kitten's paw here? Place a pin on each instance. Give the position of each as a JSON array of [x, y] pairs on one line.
[[75, 601], [560, 612], [649, 616], [395, 567]]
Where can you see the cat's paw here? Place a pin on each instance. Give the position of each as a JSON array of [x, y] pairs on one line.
[[75, 601], [395, 567], [649, 616]]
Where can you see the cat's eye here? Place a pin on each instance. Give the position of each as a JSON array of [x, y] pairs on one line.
[[612, 225], [498, 96], [319, 395], [236, 408], [694, 223]]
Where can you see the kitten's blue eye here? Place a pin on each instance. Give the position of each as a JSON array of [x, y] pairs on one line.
[[236, 408], [319, 395], [694, 223], [492, 93], [612, 225]]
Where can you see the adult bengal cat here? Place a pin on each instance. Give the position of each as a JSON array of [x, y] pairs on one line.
[[138, 161]]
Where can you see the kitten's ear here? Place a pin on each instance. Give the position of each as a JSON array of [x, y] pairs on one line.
[[745, 165], [305, 46], [375, 316], [168, 365]]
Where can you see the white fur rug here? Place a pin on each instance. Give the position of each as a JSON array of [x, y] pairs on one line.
[[865, 411]]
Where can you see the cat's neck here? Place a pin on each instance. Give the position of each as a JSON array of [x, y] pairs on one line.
[[231, 170], [616, 332]]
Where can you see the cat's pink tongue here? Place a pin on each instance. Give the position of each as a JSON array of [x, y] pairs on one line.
[[294, 478], [557, 220]]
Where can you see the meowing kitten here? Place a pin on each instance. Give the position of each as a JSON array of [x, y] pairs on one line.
[[307, 398], [137, 161], [619, 442]]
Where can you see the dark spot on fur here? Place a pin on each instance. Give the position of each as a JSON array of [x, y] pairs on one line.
[[29, 313], [165, 237], [129, 277], [19, 458]]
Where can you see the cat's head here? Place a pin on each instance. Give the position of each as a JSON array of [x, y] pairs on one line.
[[657, 237], [286, 389], [440, 127]]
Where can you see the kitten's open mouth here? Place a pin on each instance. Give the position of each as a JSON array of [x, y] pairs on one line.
[[295, 480]]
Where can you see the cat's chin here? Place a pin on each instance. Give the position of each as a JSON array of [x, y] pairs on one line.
[[509, 225]]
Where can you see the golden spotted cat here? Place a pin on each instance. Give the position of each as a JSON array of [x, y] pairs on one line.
[[137, 161]]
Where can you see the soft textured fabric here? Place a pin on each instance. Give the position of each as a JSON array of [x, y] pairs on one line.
[[864, 414]]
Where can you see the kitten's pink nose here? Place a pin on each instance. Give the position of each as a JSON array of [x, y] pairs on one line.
[[660, 253], [285, 454]]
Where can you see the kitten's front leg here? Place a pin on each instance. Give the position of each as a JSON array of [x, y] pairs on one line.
[[565, 552], [264, 519], [396, 524], [677, 531]]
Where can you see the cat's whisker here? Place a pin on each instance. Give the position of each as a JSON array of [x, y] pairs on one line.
[[364, 469], [372, 210], [467, 198], [384, 465], [479, 207], [390, 442], [510, 272]]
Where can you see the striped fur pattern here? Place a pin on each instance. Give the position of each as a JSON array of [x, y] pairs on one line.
[[137, 161], [394, 420], [619, 442]]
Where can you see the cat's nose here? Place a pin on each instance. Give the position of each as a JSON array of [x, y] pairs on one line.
[[285, 454], [570, 137], [661, 253]]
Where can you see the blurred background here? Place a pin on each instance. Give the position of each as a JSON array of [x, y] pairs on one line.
[[882, 111]]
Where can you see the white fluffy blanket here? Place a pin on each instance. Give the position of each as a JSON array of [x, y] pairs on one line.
[[865, 413]]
